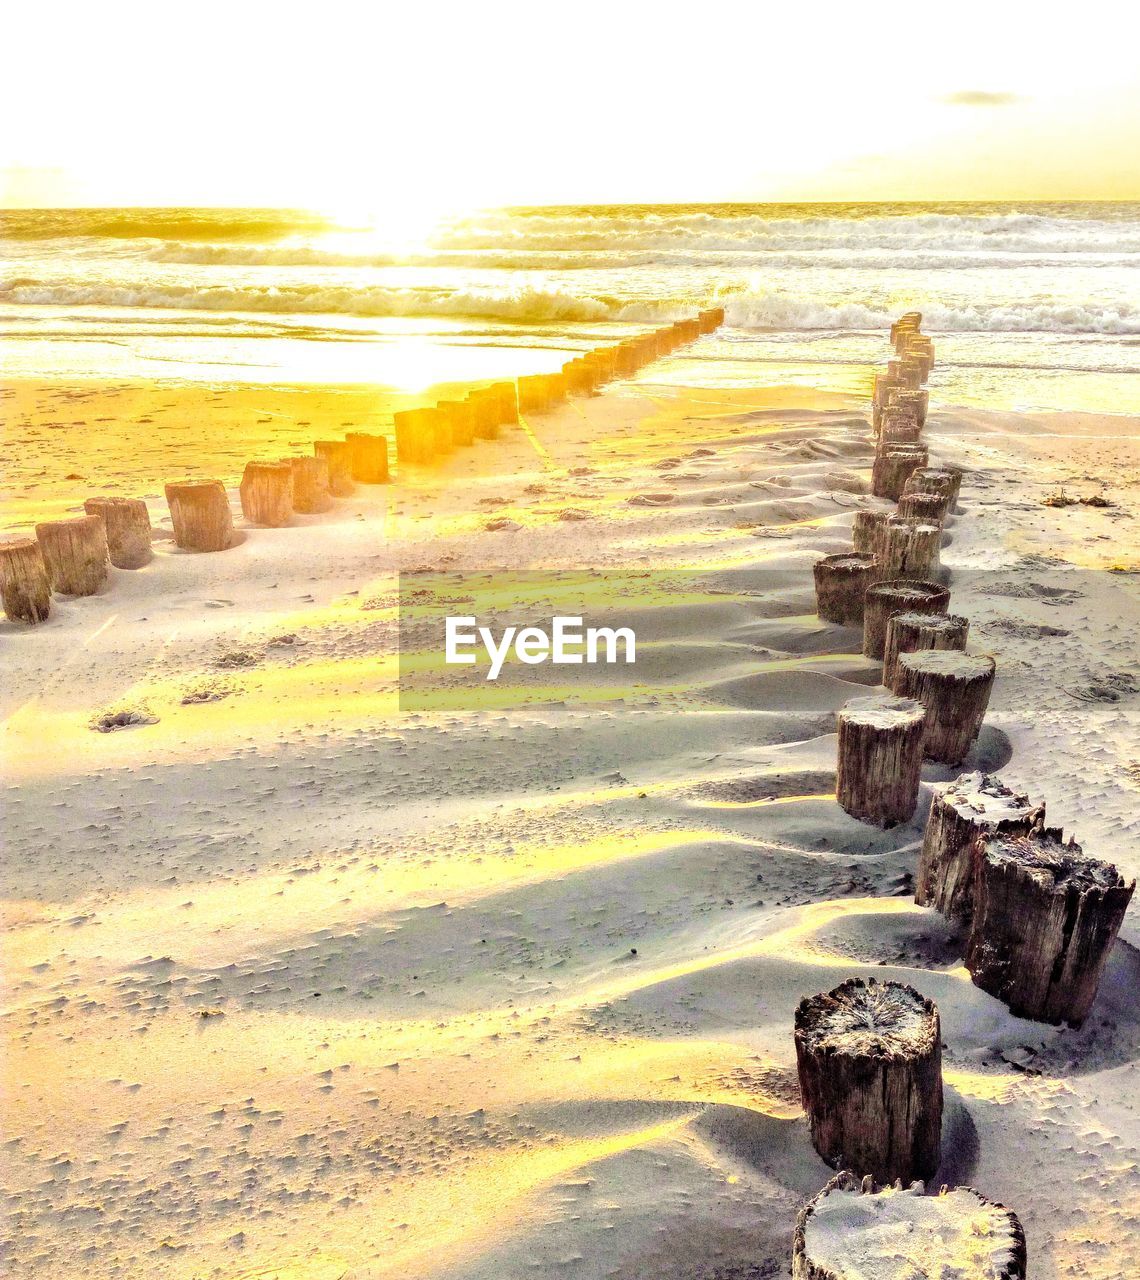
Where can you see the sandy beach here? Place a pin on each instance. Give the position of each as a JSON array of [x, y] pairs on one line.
[[301, 986]]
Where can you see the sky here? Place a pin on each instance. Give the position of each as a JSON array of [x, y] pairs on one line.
[[437, 107]]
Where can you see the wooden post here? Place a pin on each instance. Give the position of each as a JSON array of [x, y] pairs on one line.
[[310, 485], [955, 690], [909, 632], [918, 402], [24, 586], [942, 480], [508, 403], [127, 522], [879, 758], [857, 1230], [961, 812], [893, 466], [913, 372], [75, 554], [533, 393], [369, 455], [267, 493], [929, 508], [840, 583], [906, 596], [200, 513], [898, 426], [881, 391], [866, 531], [1045, 919], [908, 549], [338, 459], [869, 1056]]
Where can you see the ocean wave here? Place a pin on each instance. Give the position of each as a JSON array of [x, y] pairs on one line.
[[745, 308]]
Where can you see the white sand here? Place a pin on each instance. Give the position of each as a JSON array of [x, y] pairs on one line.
[[299, 986]]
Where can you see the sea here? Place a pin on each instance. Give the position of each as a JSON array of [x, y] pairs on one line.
[[1032, 306]]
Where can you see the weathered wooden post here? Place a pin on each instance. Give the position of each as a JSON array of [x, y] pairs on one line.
[[200, 513], [24, 585], [75, 554], [338, 459], [908, 549], [857, 1230], [913, 373], [485, 415], [961, 812], [127, 522], [918, 402], [942, 479], [508, 403], [869, 1056], [906, 596], [840, 583], [909, 632], [879, 758], [882, 388], [369, 454], [866, 530], [1045, 918], [310, 485], [267, 493], [533, 393], [460, 415], [898, 426], [929, 508], [955, 690], [893, 466]]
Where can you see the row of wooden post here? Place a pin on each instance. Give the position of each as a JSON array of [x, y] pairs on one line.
[[73, 556]]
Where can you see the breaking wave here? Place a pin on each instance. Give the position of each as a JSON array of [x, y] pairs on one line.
[[745, 308]]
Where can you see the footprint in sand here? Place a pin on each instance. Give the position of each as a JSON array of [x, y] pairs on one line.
[[652, 499]]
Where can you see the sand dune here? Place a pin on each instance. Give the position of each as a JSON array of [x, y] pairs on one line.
[[305, 986]]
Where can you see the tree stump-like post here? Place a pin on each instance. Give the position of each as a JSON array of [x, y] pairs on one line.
[[853, 1229], [484, 414], [508, 403], [555, 389], [869, 1056], [909, 548], [266, 492], [898, 426], [310, 485], [908, 632], [75, 554], [909, 595], [369, 453], [338, 459], [25, 588], [941, 479], [866, 531], [912, 371], [884, 386], [1045, 919], [918, 402], [460, 415], [840, 584], [961, 812], [127, 522], [200, 513], [955, 690], [893, 466], [930, 508], [879, 761]]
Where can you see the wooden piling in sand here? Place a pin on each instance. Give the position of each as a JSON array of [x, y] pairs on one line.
[[907, 595], [461, 418], [1045, 918], [898, 425], [25, 589], [338, 459], [75, 554], [369, 455], [941, 479], [866, 530], [908, 548], [893, 466], [840, 584], [909, 632], [311, 492], [880, 758], [200, 513], [955, 690], [917, 402], [266, 492], [927, 508], [869, 1057], [533, 393], [508, 404], [127, 522], [853, 1228], [961, 812]]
